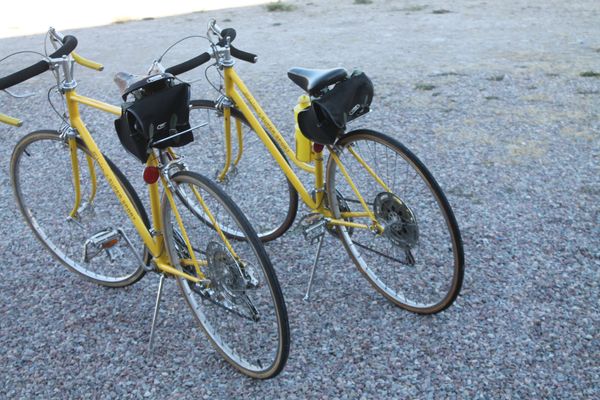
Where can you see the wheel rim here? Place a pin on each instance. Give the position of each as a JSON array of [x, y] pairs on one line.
[[45, 196], [241, 341], [418, 265], [257, 185]]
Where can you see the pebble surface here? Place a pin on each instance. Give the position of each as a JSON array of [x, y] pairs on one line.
[[490, 96]]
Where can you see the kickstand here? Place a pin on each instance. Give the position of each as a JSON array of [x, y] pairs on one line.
[[312, 272], [156, 307]]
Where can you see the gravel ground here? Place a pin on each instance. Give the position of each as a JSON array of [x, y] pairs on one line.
[[489, 95]]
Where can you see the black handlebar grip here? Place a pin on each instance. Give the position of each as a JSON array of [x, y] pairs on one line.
[[189, 64], [23, 75], [244, 56], [69, 44]]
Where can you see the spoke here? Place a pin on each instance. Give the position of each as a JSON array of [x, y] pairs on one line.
[[387, 165], [230, 309]]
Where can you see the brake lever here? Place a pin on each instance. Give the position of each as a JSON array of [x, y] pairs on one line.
[[55, 38], [213, 30]]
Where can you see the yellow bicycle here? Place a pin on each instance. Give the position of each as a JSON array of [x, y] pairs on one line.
[[372, 192], [64, 185]]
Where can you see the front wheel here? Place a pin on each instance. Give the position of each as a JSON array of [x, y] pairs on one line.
[[93, 237], [254, 180], [412, 253], [238, 303]]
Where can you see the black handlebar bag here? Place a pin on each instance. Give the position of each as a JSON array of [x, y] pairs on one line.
[[325, 120], [158, 117]]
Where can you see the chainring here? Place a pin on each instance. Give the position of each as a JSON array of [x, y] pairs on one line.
[[398, 221]]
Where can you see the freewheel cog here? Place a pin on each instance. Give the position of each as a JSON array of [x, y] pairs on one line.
[[398, 221], [224, 272], [229, 282]]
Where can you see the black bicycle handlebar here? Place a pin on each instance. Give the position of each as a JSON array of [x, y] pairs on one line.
[[243, 55], [237, 53], [205, 57], [189, 64], [69, 44]]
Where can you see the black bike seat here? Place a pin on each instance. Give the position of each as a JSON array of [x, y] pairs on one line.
[[313, 80]]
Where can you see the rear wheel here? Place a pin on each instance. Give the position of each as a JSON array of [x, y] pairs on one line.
[[240, 305], [257, 184], [92, 242], [417, 260]]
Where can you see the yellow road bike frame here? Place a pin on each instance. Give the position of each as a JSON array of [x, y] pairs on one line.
[[5, 119], [154, 243], [236, 90]]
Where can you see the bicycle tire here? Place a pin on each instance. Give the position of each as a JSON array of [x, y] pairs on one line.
[[272, 213], [238, 338], [417, 219], [65, 240]]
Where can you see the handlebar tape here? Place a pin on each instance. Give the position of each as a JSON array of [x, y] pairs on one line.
[[189, 64], [69, 44]]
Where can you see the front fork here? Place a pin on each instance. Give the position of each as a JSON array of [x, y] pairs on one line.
[[225, 105], [69, 135]]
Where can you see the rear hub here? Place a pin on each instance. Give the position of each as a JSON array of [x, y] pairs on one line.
[[398, 221]]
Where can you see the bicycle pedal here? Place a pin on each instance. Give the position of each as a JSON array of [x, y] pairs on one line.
[[103, 240], [313, 227]]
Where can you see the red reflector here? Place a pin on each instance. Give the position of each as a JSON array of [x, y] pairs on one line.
[[151, 175], [317, 147], [110, 243]]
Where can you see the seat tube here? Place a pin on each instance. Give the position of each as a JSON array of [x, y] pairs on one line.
[[319, 179]]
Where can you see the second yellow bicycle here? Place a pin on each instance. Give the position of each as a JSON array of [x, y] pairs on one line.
[[370, 191]]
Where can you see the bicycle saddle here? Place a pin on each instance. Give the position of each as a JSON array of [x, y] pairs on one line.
[[313, 80]]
